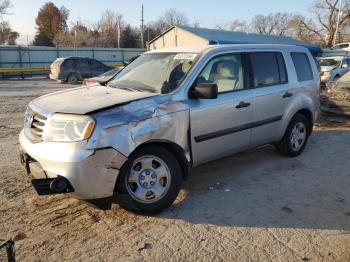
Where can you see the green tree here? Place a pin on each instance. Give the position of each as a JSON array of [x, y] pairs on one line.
[[50, 22]]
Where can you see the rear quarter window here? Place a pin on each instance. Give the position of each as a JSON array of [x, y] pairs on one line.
[[68, 64], [302, 66]]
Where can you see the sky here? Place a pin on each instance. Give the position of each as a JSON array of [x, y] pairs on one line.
[[207, 12]]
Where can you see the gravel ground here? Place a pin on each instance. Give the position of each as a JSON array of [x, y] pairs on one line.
[[255, 205]]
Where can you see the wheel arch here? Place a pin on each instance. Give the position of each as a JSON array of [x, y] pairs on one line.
[[308, 114], [74, 73], [176, 150]]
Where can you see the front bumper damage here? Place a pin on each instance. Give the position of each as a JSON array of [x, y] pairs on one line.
[[70, 168]]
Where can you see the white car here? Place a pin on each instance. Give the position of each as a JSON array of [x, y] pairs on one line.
[[342, 46], [332, 68]]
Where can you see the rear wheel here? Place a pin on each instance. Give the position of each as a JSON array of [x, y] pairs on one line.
[[73, 79], [150, 179], [295, 139]]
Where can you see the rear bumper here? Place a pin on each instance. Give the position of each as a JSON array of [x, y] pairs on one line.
[[57, 77], [92, 174]]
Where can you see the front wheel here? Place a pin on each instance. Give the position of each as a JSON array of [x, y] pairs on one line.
[[150, 179], [295, 139]]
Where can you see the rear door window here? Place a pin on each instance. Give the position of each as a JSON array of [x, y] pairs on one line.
[[268, 69], [81, 63], [302, 66]]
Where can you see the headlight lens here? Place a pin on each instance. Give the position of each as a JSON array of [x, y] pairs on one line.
[[68, 128], [327, 73]]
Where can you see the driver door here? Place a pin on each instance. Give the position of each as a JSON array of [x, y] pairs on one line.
[[220, 127]]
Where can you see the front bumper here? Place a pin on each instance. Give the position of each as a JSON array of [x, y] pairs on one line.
[[326, 78], [91, 173]]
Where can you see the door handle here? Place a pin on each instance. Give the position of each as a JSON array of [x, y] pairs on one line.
[[287, 94], [242, 104]]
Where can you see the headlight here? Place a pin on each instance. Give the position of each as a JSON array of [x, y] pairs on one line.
[[68, 128], [327, 73]]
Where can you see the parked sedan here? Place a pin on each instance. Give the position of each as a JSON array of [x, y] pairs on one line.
[[75, 69]]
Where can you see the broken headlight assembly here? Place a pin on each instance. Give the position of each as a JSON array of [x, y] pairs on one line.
[[68, 128]]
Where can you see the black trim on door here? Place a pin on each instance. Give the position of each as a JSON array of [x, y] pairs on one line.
[[236, 129]]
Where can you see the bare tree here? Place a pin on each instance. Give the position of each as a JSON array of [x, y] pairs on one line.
[[79, 35], [4, 6], [171, 17], [108, 26], [326, 14], [5, 30], [272, 24], [299, 31], [239, 25], [7, 36], [195, 23]]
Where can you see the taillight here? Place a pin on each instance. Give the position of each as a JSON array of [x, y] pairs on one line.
[[61, 69]]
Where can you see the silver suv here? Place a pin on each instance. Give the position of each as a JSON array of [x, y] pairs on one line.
[[135, 139]]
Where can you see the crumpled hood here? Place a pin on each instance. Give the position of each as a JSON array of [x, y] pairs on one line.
[[86, 99]]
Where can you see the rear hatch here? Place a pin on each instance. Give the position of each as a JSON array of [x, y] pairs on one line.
[[55, 66]]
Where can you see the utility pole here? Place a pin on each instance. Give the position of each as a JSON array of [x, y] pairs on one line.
[[142, 26], [118, 33], [337, 25]]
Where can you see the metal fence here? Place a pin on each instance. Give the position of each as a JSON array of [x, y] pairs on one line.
[[32, 60]]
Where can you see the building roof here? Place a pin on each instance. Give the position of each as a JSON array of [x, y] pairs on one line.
[[183, 49], [219, 37], [203, 48]]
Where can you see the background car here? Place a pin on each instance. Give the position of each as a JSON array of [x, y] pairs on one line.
[[332, 68], [102, 79], [109, 75], [342, 46], [75, 69]]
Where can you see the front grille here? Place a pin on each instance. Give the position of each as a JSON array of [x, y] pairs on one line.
[[34, 125], [38, 125]]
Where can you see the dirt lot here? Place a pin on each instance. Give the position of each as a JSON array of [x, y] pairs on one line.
[[255, 205]]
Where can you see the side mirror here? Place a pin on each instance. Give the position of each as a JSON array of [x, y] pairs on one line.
[[205, 90]]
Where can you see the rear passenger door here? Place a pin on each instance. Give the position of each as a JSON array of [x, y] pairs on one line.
[[83, 67], [272, 95]]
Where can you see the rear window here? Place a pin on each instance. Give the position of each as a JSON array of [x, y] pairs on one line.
[[302, 66], [268, 69], [57, 62]]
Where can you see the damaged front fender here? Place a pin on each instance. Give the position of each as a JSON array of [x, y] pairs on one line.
[[153, 119]]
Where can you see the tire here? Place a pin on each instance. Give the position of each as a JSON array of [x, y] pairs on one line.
[[151, 164], [292, 146], [73, 79]]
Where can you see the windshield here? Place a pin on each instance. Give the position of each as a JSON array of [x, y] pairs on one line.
[[156, 73], [329, 62]]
